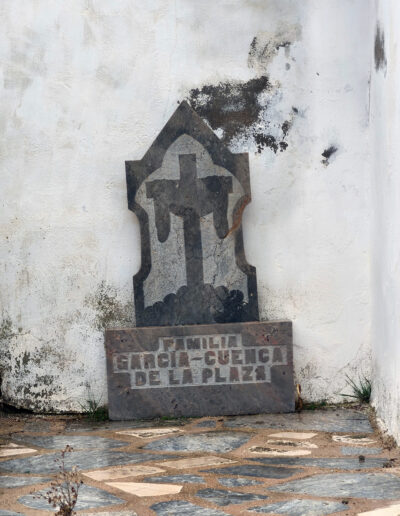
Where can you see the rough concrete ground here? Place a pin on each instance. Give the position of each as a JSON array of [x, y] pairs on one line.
[[328, 461]]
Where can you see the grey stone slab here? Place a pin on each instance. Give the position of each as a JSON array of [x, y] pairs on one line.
[[59, 442], [248, 470], [301, 508], [209, 423], [10, 513], [238, 482], [324, 462], [88, 498], [187, 192], [220, 442], [45, 464], [180, 507], [179, 479], [205, 370], [223, 497], [84, 426], [340, 420], [360, 450], [11, 482], [372, 486]]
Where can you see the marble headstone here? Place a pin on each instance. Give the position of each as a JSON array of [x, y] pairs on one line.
[[198, 348]]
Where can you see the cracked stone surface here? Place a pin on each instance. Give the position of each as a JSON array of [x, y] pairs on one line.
[[220, 442], [324, 462], [256, 471], [301, 508], [341, 420], [375, 486], [205, 470], [178, 507], [83, 460], [223, 497], [78, 442], [89, 497]]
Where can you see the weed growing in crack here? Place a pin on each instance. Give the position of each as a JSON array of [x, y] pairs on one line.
[[361, 391], [63, 492]]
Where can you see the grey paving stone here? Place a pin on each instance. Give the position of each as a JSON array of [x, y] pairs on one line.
[[374, 486], [88, 498], [346, 463], [10, 513], [11, 482], [219, 442], [223, 497], [85, 426], [59, 442], [207, 424], [340, 420], [181, 479], [255, 471], [360, 450], [45, 464], [237, 481], [180, 507], [301, 508]]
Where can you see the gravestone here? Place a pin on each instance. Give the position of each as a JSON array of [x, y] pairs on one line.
[[198, 347]]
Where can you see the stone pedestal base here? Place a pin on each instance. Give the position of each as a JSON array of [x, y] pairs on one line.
[[200, 370]]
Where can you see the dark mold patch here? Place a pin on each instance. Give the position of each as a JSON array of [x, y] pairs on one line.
[[379, 50], [238, 110], [110, 311], [328, 153]]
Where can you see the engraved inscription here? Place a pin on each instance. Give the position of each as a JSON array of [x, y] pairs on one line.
[[197, 360]]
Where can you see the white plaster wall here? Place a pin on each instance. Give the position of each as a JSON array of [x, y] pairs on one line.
[[88, 85], [385, 124]]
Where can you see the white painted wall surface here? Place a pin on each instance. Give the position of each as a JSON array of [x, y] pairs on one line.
[[88, 85], [385, 125]]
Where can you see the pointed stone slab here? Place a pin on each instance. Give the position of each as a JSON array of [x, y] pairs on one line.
[[359, 450], [340, 420], [249, 470], [220, 442], [177, 479], [325, 462], [12, 482], [45, 464], [197, 462], [88, 498], [77, 442], [182, 508], [371, 486], [301, 508], [238, 482], [143, 489], [116, 473]]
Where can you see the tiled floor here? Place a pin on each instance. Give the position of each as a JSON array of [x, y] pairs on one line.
[[213, 466]]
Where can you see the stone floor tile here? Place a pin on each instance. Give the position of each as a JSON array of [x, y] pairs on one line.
[[182, 508], [88, 498], [178, 479], [293, 435], [238, 481], [146, 433], [145, 489], [338, 420], [222, 497], [375, 486], [248, 470], [355, 440], [11, 482], [301, 508], [10, 513], [220, 442], [107, 513], [278, 452], [10, 452], [78, 442], [292, 444], [117, 473], [208, 423], [45, 464], [359, 450], [197, 462], [391, 510], [345, 463]]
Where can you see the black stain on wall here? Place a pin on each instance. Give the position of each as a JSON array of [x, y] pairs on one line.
[[328, 153], [379, 49], [236, 108]]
